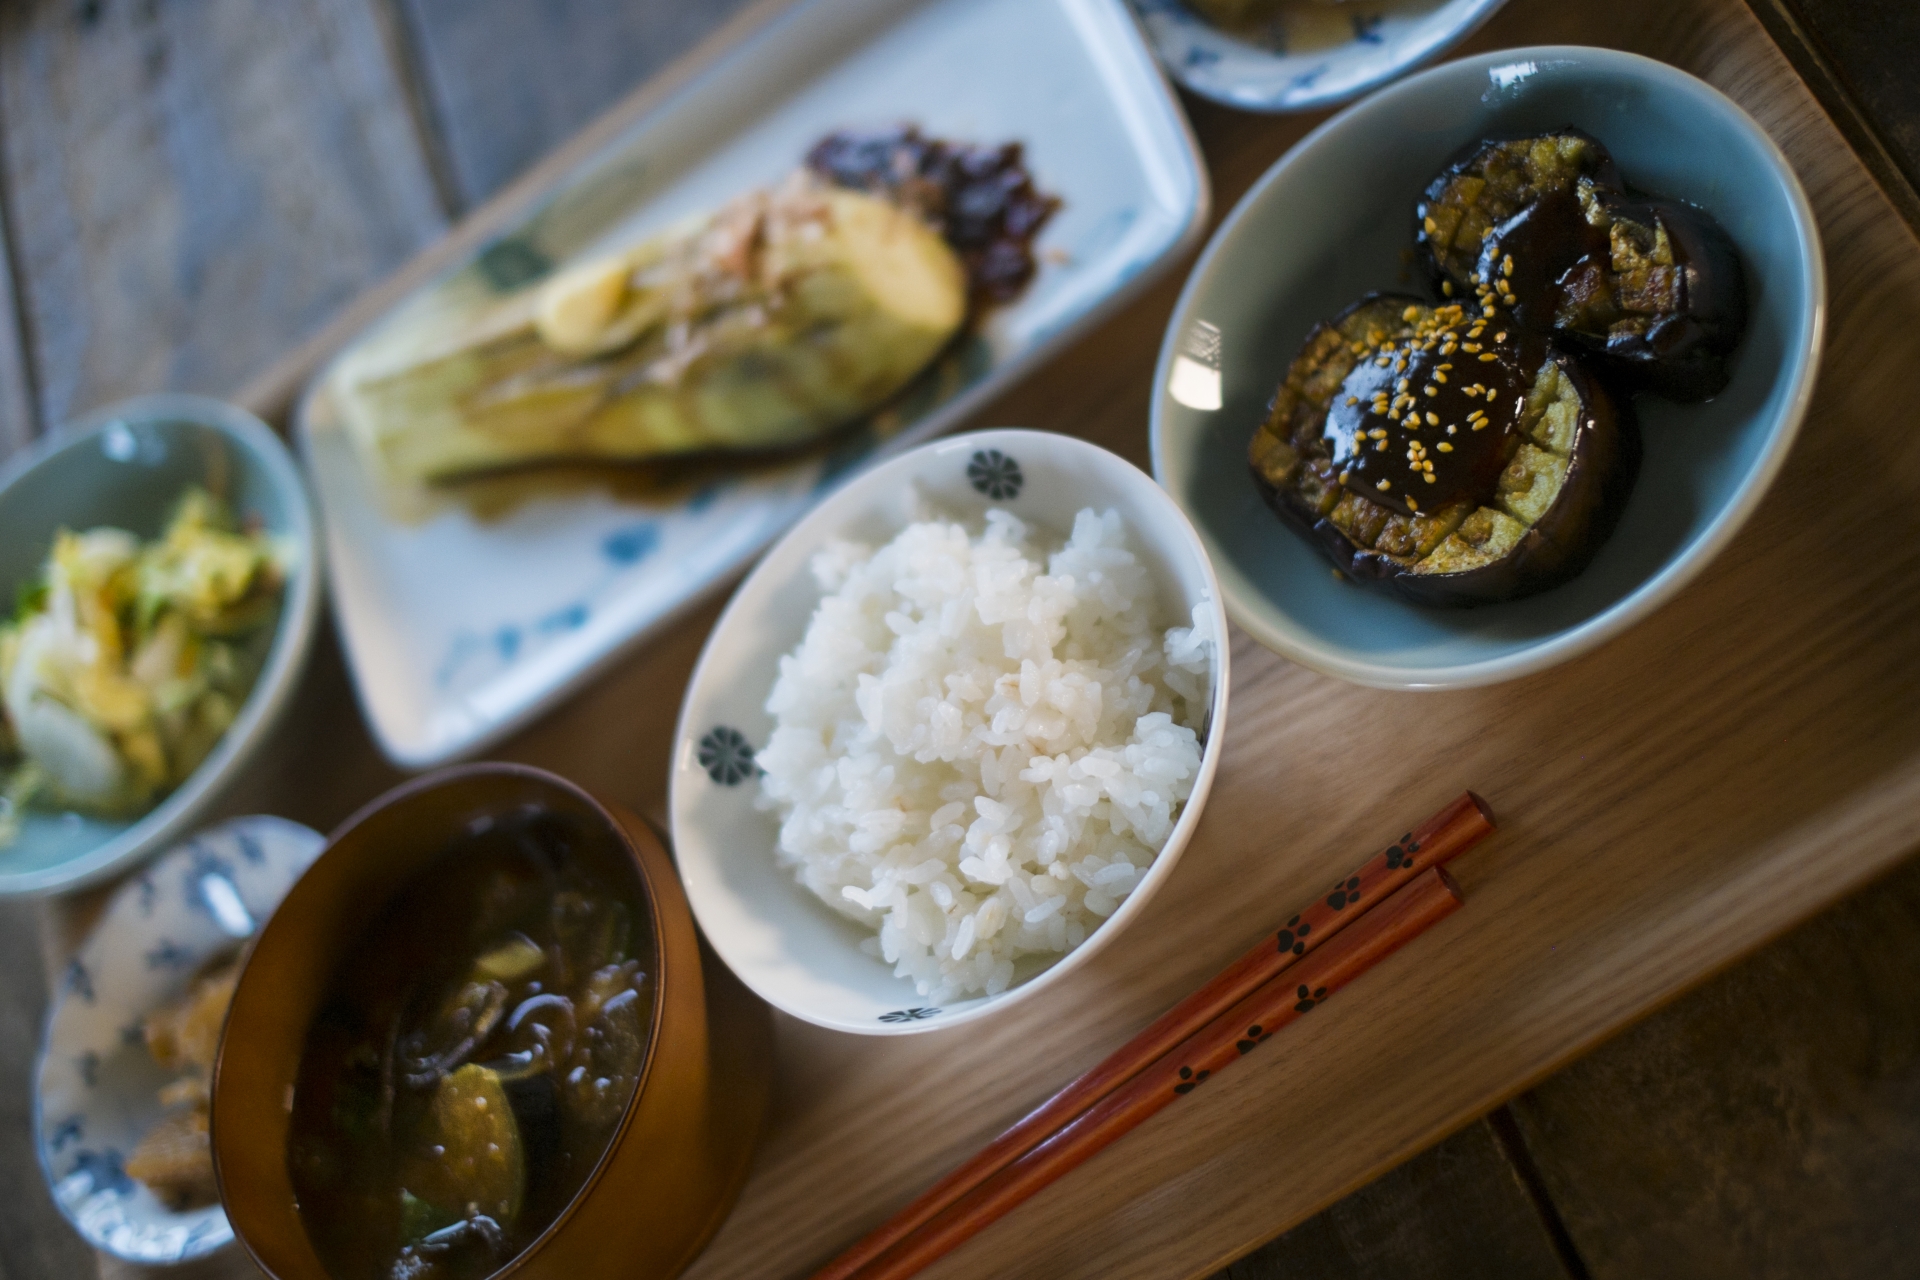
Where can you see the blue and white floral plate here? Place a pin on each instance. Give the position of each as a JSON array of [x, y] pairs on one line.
[[461, 624], [1313, 54], [95, 1091]]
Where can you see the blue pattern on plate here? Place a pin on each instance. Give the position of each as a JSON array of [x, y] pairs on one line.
[[1294, 63], [95, 1085]]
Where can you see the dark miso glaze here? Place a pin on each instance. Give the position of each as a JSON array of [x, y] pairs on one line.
[[1384, 424]]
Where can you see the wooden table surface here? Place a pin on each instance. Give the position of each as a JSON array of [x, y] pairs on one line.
[[1669, 803]]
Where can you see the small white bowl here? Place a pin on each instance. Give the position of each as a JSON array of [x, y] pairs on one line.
[[1319, 54], [96, 1087], [126, 465], [784, 943]]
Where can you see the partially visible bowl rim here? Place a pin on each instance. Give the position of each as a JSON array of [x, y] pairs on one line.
[[1157, 874], [63, 995], [272, 689], [1286, 101], [1659, 587], [412, 789]]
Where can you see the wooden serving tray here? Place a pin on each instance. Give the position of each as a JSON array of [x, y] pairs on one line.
[[1669, 803]]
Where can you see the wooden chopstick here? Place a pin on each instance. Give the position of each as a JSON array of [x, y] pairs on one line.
[[1378, 933], [1444, 836]]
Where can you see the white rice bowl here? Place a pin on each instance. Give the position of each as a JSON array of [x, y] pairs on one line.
[[983, 742]]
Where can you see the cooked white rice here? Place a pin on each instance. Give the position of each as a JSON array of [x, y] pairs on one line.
[[982, 744]]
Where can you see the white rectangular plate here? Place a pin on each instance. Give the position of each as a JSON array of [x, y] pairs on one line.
[[461, 625]]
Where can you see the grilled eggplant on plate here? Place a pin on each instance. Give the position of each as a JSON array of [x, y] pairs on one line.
[[782, 316], [1446, 456]]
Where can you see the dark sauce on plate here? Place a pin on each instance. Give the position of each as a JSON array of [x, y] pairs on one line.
[[472, 1060], [981, 199]]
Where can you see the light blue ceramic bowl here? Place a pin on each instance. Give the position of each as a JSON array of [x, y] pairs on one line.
[[1333, 220], [1311, 55], [126, 466]]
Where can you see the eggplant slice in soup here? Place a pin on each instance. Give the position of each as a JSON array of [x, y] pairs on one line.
[[1448, 457]]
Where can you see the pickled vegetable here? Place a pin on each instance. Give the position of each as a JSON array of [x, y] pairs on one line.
[[125, 662], [1440, 456], [470, 1065]]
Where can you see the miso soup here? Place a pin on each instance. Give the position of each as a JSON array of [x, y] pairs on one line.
[[474, 1055]]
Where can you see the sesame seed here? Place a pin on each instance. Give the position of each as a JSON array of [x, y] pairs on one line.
[[1393, 415], [1445, 367], [1506, 265], [1378, 433], [1473, 277], [1439, 376], [1446, 287], [1469, 346], [1500, 336], [1383, 484], [1353, 399], [1432, 227], [1344, 476], [1444, 446], [1485, 356], [1381, 447], [1433, 419], [1479, 424], [1450, 430], [1428, 476], [1411, 503], [1411, 313], [1402, 385], [1431, 390], [1487, 311]]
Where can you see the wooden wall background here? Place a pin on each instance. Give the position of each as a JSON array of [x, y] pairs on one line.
[[190, 187]]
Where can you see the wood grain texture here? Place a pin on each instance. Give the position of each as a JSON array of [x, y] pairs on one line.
[[1668, 803], [195, 187], [19, 411], [1455, 1210], [507, 81], [1763, 1128], [35, 1241]]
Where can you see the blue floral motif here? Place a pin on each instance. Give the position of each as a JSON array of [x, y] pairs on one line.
[[149, 894], [1366, 28], [571, 618], [727, 756], [88, 1065], [908, 1015], [631, 544], [1197, 57], [104, 1168], [79, 981], [168, 954], [133, 1035], [251, 851], [996, 475], [72, 1129]]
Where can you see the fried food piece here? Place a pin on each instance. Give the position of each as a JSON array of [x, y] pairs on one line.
[[175, 1161]]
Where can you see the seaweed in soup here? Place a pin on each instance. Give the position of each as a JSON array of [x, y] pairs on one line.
[[473, 1059]]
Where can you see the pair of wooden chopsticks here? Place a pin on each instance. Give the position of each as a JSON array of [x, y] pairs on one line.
[[1365, 917]]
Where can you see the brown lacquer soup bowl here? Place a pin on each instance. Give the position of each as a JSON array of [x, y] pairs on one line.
[[480, 1037]]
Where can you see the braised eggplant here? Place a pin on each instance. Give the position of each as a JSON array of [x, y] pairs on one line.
[[1546, 229], [1650, 288], [1446, 456], [1489, 184]]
